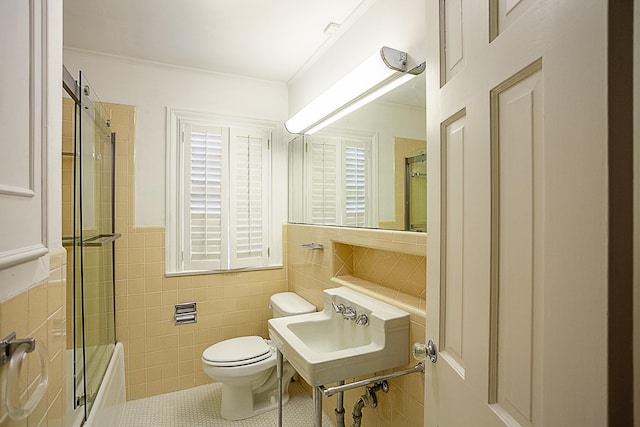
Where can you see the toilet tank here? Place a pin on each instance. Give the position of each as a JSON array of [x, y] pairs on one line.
[[289, 304]]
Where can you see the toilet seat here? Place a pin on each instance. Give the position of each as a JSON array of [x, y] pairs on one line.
[[236, 352]]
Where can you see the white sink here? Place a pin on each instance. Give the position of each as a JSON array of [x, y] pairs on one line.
[[325, 347]]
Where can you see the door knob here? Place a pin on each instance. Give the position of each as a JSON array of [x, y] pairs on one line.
[[432, 351], [425, 351]]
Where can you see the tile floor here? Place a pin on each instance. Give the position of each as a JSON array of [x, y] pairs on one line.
[[200, 407]]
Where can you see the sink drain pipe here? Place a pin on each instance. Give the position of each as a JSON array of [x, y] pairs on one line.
[[368, 399]]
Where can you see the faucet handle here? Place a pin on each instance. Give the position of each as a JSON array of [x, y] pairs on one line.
[[362, 319], [349, 313], [338, 308]]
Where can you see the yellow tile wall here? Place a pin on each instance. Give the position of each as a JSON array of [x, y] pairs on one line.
[[371, 253], [67, 166], [39, 312], [161, 357], [405, 273]]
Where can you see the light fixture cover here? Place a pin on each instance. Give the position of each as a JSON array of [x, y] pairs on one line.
[[379, 70]]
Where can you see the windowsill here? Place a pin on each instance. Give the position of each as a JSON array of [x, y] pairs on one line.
[[203, 272], [415, 306]]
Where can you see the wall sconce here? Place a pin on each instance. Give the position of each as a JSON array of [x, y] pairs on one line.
[[370, 80]]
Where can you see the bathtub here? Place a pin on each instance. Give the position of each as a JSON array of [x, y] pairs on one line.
[[109, 403]]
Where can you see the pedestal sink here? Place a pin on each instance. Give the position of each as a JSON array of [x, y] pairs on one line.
[[353, 335]]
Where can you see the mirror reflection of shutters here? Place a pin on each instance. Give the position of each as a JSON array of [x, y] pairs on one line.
[[324, 182], [355, 181]]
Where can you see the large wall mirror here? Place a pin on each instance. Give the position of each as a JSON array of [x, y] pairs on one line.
[[367, 169]]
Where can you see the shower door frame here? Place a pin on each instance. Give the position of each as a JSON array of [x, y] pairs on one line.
[[408, 161]]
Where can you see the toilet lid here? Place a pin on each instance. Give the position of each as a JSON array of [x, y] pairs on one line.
[[238, 351]]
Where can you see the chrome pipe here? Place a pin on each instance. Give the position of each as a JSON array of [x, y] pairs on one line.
[[357, 411], [317, 407], [330, 391], [279, 365], [340, 407]]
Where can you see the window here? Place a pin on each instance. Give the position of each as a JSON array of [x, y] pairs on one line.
[[218, 214], [340, 181]]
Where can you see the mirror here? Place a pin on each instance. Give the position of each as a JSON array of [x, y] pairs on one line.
[[367, 169]]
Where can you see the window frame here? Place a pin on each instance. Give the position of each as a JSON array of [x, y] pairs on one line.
[[175, 195]]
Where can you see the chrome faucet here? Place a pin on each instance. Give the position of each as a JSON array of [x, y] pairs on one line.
[[362, 319], [349, 313], [338, 308]]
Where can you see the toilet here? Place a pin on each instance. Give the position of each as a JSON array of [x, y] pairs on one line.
[[246, 366]]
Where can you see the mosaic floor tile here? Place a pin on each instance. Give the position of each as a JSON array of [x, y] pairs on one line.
[[200, 407]]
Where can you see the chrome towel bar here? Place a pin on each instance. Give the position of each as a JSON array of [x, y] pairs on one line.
[[313, 246], [95, 241], [330, 391]]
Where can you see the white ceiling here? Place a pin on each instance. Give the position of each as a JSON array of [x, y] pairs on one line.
[[265, 39]]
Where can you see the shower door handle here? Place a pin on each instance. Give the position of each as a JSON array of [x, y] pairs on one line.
[[101, 240]]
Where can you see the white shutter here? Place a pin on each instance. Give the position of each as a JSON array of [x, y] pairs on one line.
[[356, 198], [205, 195], [249, 179], [322, 162]]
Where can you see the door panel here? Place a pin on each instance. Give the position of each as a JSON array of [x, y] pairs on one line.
[[23, 181], [517, 272], [503, 13], [452, 46], [516, 119], [452, 281]]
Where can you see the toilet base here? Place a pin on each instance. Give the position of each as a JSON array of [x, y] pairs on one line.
[[241, 402]]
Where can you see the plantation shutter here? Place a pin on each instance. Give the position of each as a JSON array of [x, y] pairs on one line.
[[322, 159], [219, 195], [249, 179], [205, 195], [355, 183]]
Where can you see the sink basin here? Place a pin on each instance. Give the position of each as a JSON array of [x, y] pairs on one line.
[[325, 347]]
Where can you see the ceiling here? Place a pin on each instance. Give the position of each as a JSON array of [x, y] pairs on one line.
[[264, 39]]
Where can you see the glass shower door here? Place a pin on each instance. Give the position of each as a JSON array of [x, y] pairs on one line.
[[94, 302]]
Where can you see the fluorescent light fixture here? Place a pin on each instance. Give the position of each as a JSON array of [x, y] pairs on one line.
[[373, 78], [361, 102]]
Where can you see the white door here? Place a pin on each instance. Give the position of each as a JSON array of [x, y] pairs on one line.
[[23, 217], [516, 282]]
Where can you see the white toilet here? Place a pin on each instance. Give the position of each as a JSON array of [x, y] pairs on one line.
[[246, 366]]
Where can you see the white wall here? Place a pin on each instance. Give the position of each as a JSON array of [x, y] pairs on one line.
[[395, 23], [151, 88]]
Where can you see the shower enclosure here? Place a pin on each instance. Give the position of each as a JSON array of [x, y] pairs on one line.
[[88, 228], [415, 198]]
